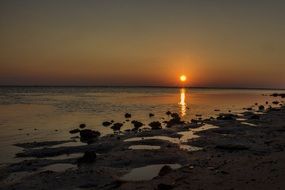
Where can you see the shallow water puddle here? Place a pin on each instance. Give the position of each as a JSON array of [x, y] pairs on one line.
[[146, 173], [186, 135], [249, 124], [241, 119], [144, 147]]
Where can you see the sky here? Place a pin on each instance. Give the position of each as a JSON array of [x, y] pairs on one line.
[[215, 43]]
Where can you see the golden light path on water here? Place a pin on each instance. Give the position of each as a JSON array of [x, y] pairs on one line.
[[182, 102]]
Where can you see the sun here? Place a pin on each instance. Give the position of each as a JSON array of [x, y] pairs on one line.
[[183, 78]]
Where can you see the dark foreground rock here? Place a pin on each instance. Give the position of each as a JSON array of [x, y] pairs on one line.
[[155, 125], [88, 135]]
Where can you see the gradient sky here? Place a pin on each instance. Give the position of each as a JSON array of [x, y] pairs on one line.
[[149, 42]]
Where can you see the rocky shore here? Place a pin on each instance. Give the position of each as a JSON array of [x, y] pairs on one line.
[[231, 151]]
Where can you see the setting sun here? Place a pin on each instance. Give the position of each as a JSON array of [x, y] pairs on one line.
[[183, 78]]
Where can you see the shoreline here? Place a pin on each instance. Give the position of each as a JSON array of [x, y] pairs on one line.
[[234, 155]]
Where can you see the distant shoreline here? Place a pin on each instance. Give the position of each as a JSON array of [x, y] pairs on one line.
[[106, 86]]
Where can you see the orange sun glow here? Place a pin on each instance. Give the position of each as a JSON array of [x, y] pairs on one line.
[[183, 78]]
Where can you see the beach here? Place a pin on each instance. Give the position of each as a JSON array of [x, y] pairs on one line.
[[242, 150]]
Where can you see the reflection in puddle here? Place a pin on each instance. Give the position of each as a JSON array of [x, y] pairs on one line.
[[182, 102], [249, 124], [241, 119], [186, 135], [147, 172], [144, 147]]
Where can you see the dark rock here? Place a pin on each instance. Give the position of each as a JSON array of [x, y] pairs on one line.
[[226, 117], [282, 95], [174, 121], [261, 108], [266, 102], [168, 113], [73, 131], [165, 170], [117, 126], [155, 125], [82, 126], [275, 102], [217, 110], [88, 157], [151, 115], [128, 115], [106, 123], [175, 115], [88, 135], [137, 124], [163, 186]]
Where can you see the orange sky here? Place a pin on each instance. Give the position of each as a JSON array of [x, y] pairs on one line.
[[221, 43]]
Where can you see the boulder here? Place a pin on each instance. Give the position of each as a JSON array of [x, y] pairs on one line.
[[261, 108], [117, 126], [128, 115], [82, 126], [155, 125], [106, 123], [73, 131], [226, 117], [137, 124], [151, 115], [168, 113], [88, 135]]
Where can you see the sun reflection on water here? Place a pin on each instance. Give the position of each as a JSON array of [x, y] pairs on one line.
[[182, 102]]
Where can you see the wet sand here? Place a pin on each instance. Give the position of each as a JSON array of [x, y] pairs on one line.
[[244, 151]]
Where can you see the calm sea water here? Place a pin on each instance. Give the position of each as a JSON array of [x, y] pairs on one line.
[[48, 113]]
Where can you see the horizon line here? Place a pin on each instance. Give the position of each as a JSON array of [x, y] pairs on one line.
[[144, 86]]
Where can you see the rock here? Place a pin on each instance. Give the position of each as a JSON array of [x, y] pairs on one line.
[[226, 117], [266, 102], [151, 115], [275, 102], [117, 126], [128, 115], [175, 115], [216, 110], [88, 135], [168, 113], [73, 131], [106, 123], [282, 95], [165, 170], [155, 125], [137, 124], [88, 158], [163, 186], [82, 126], [261, 108], [174, 121]]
